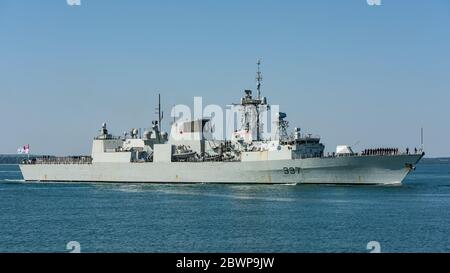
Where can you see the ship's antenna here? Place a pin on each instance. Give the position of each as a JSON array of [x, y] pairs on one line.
[[421, 138], [259, 79], [174, 120], [258, 87], [160, 113], [356, 143]]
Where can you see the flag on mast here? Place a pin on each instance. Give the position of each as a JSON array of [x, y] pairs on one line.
[[24, 150]]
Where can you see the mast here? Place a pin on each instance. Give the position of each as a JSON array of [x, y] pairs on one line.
[[160, 113], [258, 87], [258, 79], [421, 138], [250, 103]]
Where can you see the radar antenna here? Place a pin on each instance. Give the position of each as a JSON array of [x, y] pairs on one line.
[[259, 79]]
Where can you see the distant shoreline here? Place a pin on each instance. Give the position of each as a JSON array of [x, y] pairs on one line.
[[11, 159]]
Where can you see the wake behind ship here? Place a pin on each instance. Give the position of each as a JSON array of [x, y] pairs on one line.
[[190, 154]]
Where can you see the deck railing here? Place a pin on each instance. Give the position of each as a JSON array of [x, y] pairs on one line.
[[59, 160]]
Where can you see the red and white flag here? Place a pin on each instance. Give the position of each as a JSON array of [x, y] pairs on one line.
[[24, 150]]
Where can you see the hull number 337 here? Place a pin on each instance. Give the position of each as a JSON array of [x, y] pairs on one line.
[[291, 170]]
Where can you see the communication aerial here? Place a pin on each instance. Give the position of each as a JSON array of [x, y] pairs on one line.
[[259, 78], [160, 113]]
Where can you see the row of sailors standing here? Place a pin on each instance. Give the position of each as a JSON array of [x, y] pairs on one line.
[[385, 151], [381, 151]]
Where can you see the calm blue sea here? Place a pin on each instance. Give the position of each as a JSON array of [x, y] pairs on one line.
[[44, 217]]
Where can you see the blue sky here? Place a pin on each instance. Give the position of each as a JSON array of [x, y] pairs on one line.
[[342, 69]]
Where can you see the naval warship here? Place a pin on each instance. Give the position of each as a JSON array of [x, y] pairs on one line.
[[189, 154]]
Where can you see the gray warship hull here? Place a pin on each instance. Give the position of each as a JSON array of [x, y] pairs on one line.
[[370, 169]]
